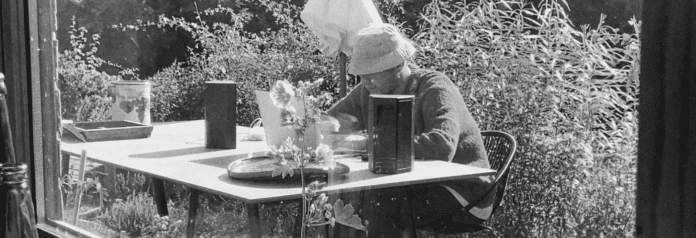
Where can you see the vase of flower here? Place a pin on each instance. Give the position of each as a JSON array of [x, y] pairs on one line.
[[131, 101], [316, 209], [275, 133]]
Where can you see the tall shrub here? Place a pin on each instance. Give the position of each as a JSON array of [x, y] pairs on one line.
[[84, 95], [225, 52], [567, 95]]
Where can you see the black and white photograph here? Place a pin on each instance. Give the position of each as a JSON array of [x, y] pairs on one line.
[[347, 118]]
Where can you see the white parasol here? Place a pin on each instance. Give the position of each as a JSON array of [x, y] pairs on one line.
[[335, 22]]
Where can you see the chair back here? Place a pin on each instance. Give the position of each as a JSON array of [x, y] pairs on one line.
[[500, 147]]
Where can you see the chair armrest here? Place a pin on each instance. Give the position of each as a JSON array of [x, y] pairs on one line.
[[490, 189]]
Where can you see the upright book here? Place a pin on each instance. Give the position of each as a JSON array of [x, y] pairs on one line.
[[390, 133]]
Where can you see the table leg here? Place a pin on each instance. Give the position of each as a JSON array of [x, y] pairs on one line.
[[254, 220], [193, 210], [109, 182], [410, 214], [160, 197], [298, 220]]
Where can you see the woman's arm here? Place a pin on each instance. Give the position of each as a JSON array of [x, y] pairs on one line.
[[441, 110], [349, 111]]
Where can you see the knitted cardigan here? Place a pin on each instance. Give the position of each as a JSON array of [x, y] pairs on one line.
[[444, 130]]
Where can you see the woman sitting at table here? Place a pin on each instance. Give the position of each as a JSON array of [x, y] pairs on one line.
[[444, 130]]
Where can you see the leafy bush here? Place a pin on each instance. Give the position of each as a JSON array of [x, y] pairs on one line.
[[568, 96], [134, 211], [84, 95], [131, 215], [127, 183], [225, 52], [90, 189], [85, 87], [135, 215], [164, 227]]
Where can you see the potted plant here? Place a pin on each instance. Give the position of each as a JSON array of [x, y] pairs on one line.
[[131, 101]]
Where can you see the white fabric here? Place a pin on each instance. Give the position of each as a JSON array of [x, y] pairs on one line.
[[335, 22]]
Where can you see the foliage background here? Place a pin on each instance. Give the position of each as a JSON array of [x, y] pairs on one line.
[[568, 96], [84, 88], [567, 92], [150, 51]]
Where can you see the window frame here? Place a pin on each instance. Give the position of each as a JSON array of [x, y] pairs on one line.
[[29, 61]]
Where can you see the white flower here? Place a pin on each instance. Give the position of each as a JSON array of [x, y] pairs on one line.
[[281, 93], [325, 155]]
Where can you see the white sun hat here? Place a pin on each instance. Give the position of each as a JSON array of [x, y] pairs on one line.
[[377, 48]]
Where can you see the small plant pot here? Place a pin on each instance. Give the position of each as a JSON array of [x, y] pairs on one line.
[[131, 101]]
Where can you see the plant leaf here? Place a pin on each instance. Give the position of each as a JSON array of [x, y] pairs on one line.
[[281, 93], [344, 215], [283, 169], [276, 172], [289, 171]]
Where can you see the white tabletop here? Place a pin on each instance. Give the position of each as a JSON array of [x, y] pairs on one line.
[[176, 152]]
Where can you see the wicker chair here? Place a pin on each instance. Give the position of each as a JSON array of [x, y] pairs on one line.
[[500, 147]]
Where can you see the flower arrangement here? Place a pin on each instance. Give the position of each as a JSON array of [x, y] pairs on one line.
[[317, 210]]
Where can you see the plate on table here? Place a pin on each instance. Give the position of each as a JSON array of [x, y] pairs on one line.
[[261, 168]]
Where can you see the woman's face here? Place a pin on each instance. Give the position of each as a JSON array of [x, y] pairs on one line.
[[384, 82]]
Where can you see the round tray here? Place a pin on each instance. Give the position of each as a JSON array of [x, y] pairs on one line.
[[261, 168]]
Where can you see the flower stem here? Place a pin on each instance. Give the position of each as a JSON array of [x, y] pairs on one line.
[[302, 177], [304, 200]]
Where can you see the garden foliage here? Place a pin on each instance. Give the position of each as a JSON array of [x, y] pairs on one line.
[[568, 96], [132, 215], [225, 52], [567, 93], [83, 87], [137, 216]]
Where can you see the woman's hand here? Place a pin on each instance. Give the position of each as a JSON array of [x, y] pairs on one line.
[[349, 123], [352, 142], [338, 132]]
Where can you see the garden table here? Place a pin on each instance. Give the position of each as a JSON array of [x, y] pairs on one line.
[[176, 152]]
